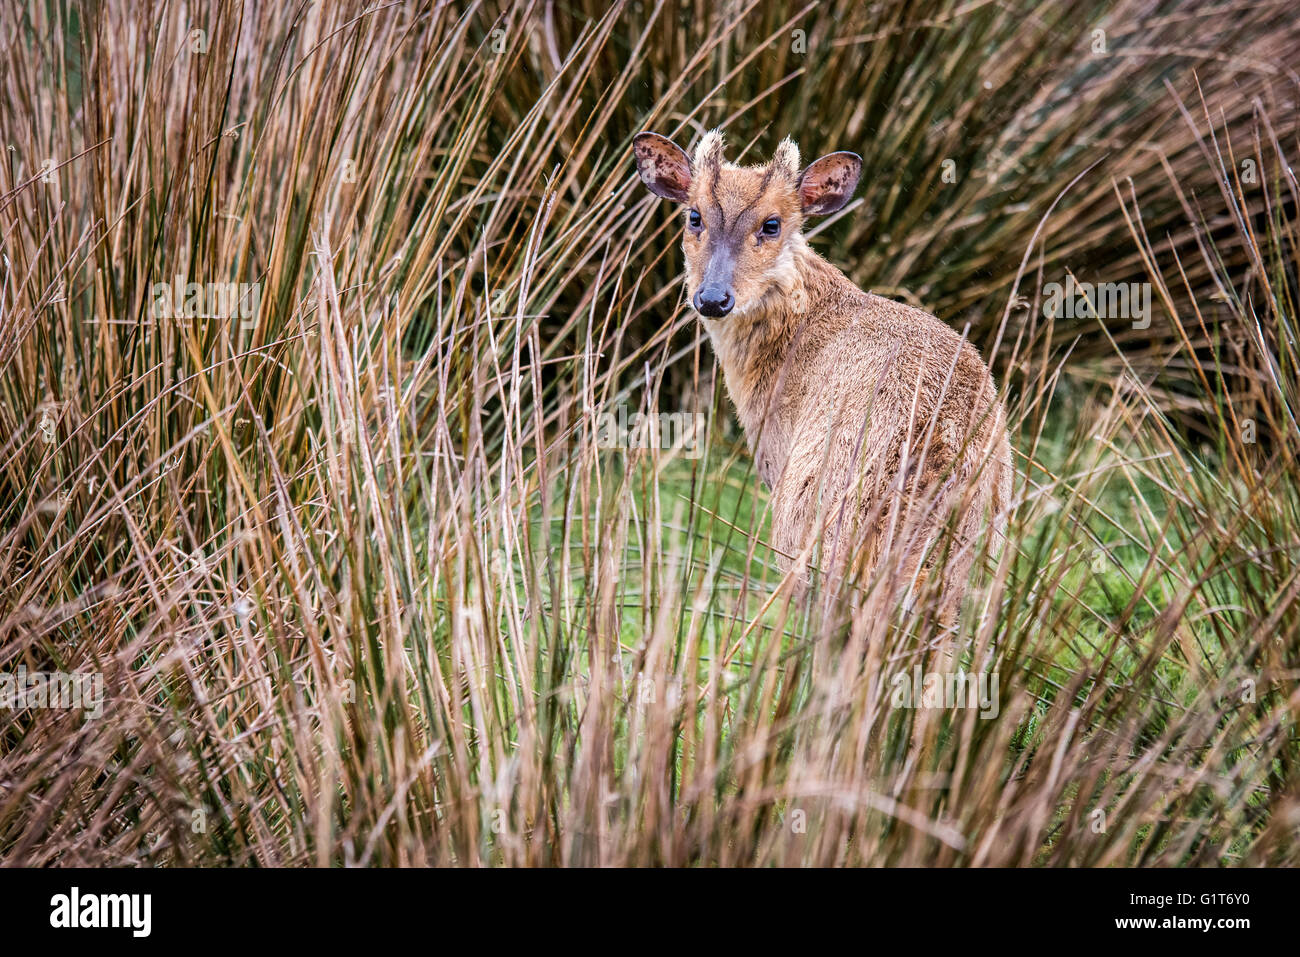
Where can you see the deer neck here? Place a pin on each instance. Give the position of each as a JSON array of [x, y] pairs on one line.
[[758, 347]]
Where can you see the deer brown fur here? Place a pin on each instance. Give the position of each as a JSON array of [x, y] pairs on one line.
[[875, 425]]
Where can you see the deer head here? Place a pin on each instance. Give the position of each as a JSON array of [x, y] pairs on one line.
[[744, 225]]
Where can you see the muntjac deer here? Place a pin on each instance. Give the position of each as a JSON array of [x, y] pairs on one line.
[[874, 424]]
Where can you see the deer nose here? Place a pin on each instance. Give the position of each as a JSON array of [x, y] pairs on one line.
[[714, 302]]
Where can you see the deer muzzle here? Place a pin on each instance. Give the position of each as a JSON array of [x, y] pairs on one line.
[[714, 297]]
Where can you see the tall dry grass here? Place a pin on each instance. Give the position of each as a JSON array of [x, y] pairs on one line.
[[363, 587]]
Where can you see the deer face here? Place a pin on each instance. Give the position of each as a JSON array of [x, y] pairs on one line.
[[743, 224]]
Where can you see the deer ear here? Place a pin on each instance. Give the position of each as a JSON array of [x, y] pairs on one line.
[[828, 183], [664, 167]]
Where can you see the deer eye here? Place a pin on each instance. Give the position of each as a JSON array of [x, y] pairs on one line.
[[772, 227], [694, 219]]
